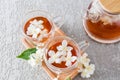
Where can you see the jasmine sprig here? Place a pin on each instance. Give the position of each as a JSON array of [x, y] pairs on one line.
[[86, 68], [34, 56], [25, 54]]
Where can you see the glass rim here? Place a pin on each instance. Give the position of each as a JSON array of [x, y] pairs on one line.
[[23, 22]]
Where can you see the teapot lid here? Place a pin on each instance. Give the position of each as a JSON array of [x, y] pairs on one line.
[[112, 6]]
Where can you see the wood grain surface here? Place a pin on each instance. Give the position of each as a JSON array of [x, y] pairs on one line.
[[105, 57], [112, 6]]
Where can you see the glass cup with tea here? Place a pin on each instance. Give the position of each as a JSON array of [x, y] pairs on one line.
[[100, 24], [39, 27], [62, 53]]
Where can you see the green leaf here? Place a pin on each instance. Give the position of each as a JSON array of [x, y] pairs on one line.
[[25, 54], [68, 78]]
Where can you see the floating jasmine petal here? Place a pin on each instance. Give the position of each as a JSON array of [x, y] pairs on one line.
[[43, 34], [64, 48], [32, 30], [36, 30], [70, 59], [37, 23], [54, 57]]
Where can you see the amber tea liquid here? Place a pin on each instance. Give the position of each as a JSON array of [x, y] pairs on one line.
[[101, 31], [46, 25], [62, 64]]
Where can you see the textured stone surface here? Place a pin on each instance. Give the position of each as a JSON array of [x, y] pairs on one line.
[[105, 57]]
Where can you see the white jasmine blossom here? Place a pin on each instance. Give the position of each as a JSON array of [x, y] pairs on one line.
[[40, 44], [37, 23], [34, 31], [106, 20], [32, 61], [40, 53], [70, 59], [43, 34], [55, 79], [84, 60], [54, 57], [88, 71], [81, 68], [63, 54], [36, 58], [64, 48]]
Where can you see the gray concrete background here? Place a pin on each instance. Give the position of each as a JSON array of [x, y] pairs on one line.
[[105, 57]]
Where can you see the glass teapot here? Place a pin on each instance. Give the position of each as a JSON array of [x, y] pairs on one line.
[[100, 24]]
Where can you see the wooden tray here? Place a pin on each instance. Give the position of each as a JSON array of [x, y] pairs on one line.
[[51, 74]]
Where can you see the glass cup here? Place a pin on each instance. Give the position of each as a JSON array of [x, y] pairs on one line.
[[101, 25], [53, 22], [79, 48]]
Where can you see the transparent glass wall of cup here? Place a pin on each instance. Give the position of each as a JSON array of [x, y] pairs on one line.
[[53, 20], [101, 25], [79, 48]]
